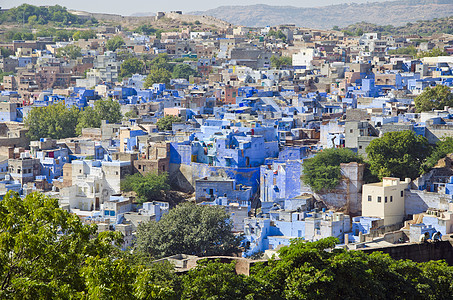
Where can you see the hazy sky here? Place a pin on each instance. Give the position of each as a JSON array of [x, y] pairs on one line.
[[129, 7]]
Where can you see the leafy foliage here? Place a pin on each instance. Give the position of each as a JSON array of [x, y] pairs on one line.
[[84, 35], [162, 61], [411, 50], [115, 43], [397, 154], [323, 170], [157, 75], [57, 121], [434, 98], [424, 28], [149, 30], [26, 13], [108, 110], [157, 281], [166, 122], [214, 280], [54, 121], [183, 71], [307, 271], [58, 35], [147, 187], [5, 52], [70, 51], [277, 34], [442, 148], [131, 66], [189, 229], [432, 53], [43, 248], [278, 62]]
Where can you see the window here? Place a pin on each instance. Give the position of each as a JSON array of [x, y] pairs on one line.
[[391, 198], [379, 198], [385, 199], [369, 198], [351, 131], [402, 193]]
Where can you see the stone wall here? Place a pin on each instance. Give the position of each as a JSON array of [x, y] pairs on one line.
[[348, 194], [418, 252]]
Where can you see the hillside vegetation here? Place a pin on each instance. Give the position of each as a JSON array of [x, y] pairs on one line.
[[421, 27], [30, 14]]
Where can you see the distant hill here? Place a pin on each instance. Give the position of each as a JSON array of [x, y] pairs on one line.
[[424, 28], [396, 13]]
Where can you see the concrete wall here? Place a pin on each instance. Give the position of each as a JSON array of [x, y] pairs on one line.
[[417, 201]]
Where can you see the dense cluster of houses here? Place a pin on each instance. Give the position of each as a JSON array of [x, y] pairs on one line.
[[246, 129]]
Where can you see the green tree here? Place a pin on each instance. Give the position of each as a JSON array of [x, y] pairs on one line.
[[131, 66], [131, 114], [214, 280], [189, 229], [442, 148], [157, 281], [166, 122], [43, 248], [183, 71], [162, 61], [84, 35], [149, 30], [108, 110], [70, 51], [157, 75], [397, 154], [6, 52], [434, 98], [278, 62], [411, 50], [115, 43], [108, 278], [277, 34], [432, 53], [323, 170], [147, 187], [307, 271], [32, 20], [54, 121], [87, 119]]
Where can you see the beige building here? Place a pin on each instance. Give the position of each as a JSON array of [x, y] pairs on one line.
[[385, 200]]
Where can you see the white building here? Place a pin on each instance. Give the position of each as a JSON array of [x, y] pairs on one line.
[[385, 200], [305, 57]]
